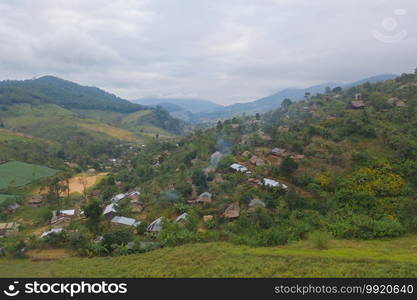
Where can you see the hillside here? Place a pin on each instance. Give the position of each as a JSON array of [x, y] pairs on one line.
[[63, 113], [388, 258], [324, 186]]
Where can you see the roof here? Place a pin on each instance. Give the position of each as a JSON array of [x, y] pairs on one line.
[[205, 194], [270, 182], [257, 161], [118, 197], [239, 168], [232, 211], [358, 104], [7, 226], [273, 183], [156, 225], [54, 230], [278, 151], [256, 202], [68, 212], [125, 221], [110, 208], [182, 217]]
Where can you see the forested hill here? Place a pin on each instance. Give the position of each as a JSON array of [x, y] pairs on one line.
[[53, 90]]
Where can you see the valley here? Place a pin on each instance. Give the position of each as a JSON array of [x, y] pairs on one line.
[[319, 187]]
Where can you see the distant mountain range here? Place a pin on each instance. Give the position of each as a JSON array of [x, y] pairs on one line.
[[197, 110]]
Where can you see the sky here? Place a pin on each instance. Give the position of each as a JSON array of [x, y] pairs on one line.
[[226, 51]]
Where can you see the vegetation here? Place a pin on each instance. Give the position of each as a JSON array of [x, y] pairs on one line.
[[388, 258], [15, 173], [330, 183]]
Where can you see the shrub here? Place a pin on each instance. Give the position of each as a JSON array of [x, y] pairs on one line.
[[320, 239]]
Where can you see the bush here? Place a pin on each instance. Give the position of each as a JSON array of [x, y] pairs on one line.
[[320, 239], [16, 249], [78, 242]]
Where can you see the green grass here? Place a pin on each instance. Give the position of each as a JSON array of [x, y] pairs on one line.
[[15, 173], [382, 258]]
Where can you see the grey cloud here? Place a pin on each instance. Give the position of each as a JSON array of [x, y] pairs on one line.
[[226, 51]]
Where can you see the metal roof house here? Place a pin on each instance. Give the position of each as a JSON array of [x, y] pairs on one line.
[[117, 198], [239, 168], [110, 211], [182, 217], [272, 183], [55, 230], [125, 221], [155, 226]]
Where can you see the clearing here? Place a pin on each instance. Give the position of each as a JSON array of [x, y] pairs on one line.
[[78, 183]]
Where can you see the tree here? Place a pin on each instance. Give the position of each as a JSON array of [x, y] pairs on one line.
[[286, 103], [93, 213], [199, 178], [288, 166]]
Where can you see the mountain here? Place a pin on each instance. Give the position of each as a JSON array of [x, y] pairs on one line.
[[191, 105], [274, 101], [64, 115], [53, 90]]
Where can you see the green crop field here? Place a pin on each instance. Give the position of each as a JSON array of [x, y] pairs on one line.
[[15, 173]]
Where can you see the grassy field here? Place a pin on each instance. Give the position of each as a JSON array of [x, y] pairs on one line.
[[15, 173], [384, 258]]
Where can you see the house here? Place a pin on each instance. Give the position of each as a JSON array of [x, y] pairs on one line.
[[239, 168], [358, 104], [62, 217], [134, 195], [13, 207], [125, 221], [204, 198], [283, 129], [36, 201], [91, 171], [264, 136], [232, 211], [246, 154], [254, 160], [272, 183], [8, 228], [136, 206], [256, 203], [117, 198], [54, 230], [358, 96], [278, 151], [110, 211], [155, 226], [181, 218]]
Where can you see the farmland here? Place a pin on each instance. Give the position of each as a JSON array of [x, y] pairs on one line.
[[15, 173]]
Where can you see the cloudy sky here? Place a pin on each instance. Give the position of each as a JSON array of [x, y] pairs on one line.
[[222, 50]]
